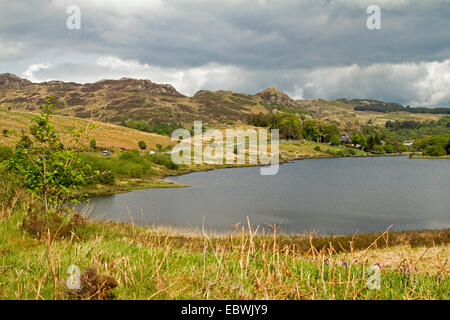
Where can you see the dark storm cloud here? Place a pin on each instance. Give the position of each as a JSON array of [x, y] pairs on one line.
[[290, 44]]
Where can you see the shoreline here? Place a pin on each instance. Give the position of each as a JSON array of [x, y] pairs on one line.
[[162, 183]]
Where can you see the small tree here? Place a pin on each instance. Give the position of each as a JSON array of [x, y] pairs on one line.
[[142, 145], [50, 170], [159, 146]]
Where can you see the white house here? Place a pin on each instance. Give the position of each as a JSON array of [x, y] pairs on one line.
[[408, 143]]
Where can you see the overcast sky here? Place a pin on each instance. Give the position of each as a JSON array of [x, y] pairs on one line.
[[307, 48]]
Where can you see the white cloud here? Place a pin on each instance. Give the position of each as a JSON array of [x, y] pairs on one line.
[[33, 68], [415, 84], [187, 80]]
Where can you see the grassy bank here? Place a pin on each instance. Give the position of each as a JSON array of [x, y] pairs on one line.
[[150, 263], [428, 157]]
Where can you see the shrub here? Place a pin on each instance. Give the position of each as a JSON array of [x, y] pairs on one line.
[[158, 158], [317, 148], [164, 160], [335, 141], [5, 153], [132, 156], [142, 145], [38, 223], [378, 149], [107, 178], [351, 151], [169, 164], [99, 169], [434, 151], [128, 168], [389, 148], [93, 144]]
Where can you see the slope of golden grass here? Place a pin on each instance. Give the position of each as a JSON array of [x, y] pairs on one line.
[[107, 135]]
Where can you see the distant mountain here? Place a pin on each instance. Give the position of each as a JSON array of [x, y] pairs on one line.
[[127, 99]]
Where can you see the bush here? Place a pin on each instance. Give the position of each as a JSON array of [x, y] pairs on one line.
[[131, 169], [351, 151], [38, 223], [93, 144], [164, 160], [317, 148], [389, 148], [106, 178], [5, 153], [92, 165], [169, 164], [335, 141], [434, 151], [132, 156], [142, 145], [158, 158], [378, 149]]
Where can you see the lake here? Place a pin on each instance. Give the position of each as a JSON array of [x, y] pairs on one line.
[[337, 195]]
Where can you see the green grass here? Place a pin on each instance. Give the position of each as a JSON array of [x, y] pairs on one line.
[[163, 264]]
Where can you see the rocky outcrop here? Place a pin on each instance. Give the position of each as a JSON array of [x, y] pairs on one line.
[[133, 85], [274, 96], [11, 81]]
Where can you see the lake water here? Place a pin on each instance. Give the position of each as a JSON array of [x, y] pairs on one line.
[[341, 195]]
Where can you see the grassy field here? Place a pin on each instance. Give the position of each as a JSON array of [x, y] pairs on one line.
[[108, 136], [152, 263]]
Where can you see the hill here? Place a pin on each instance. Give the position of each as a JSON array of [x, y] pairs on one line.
[[107, 135], [130, 101], [386, 107], [118, 101], [343, 113]]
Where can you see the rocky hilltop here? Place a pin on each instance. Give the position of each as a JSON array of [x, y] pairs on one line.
[[11, 81], [275, 97], [130, 99]]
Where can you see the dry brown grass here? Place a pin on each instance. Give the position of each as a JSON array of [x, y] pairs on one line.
[[107, 135]]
